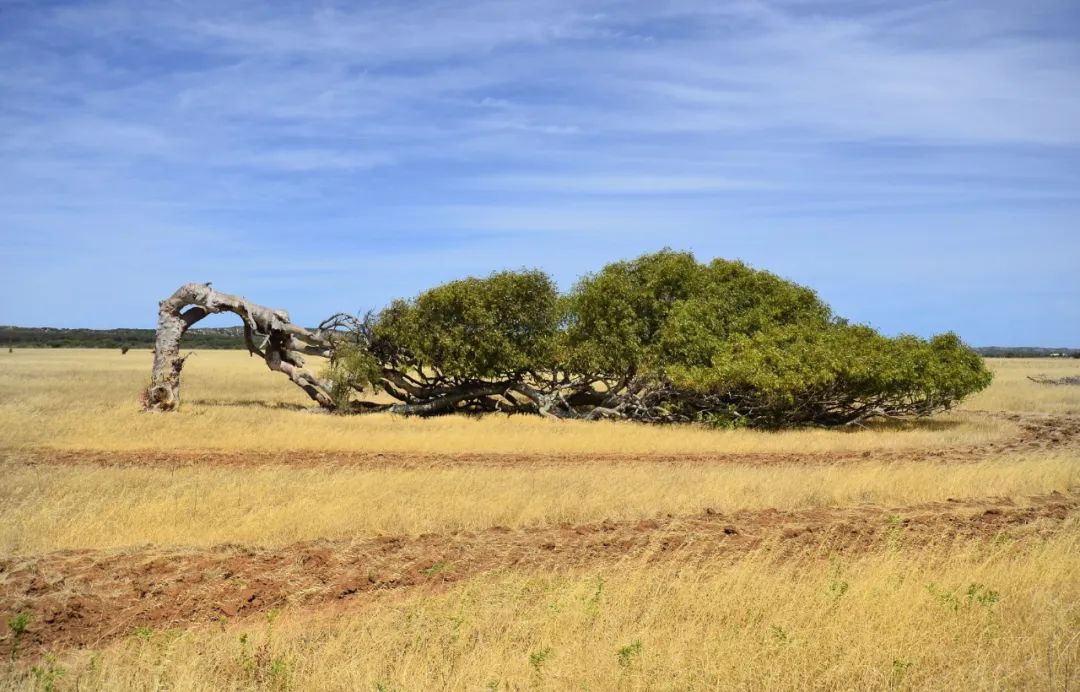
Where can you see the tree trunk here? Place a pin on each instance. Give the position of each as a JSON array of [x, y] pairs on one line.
[[282, 348]]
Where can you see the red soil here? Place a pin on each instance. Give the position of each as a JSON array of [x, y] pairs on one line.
[[87, 598]]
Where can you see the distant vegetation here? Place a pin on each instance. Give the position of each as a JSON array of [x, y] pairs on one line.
[[50, 337], [233, 338], [1027, 352]]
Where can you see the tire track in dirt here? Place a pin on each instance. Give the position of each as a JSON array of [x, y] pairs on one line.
[[87, 598], [1036, 433]]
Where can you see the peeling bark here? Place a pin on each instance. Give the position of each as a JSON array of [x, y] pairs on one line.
[[282, 347]]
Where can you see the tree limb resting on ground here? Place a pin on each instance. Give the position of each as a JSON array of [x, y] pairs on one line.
[[1043, 379], [283, 343]]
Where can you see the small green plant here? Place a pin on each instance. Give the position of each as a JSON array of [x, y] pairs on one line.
[[537, 658], [779, 634], [143, 634], [629, 653], [247, 661], [837, 585], [974, 594], [946, 598], [592, 602], [18, 624], [900, 668], [457, 621], [259, 666], [278, 674], [436, 568], [47, 673], [977, 593]]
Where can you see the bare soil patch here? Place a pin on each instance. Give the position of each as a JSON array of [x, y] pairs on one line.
[[87, 598]]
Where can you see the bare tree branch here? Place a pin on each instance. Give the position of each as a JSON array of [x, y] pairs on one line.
[[282, 349]]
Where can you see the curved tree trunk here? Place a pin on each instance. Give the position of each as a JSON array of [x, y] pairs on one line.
[[282, 347]]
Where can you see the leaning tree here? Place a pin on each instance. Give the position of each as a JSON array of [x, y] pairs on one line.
[[662, 338]]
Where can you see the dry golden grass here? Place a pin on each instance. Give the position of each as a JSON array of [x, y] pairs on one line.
[[1013, 391], [899, 617], [89, 399], [50, 508], [973, 617]]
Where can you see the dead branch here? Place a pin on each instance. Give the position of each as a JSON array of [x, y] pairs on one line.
[[1043, 379], [282, 349]]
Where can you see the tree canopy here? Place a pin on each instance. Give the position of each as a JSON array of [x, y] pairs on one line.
[[661, 338]]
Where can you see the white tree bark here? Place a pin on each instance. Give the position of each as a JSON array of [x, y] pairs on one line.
[[283, 345]]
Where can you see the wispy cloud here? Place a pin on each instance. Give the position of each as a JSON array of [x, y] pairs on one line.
[[498, 133]]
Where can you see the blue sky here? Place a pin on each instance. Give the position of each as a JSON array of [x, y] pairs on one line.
[[917, 163]]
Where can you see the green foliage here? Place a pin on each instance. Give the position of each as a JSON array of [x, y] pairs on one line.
[[47, 673], [666, 308], [436, 568], [614, 316], [470, 329], [744, 347], [18, 624], [351, 368], [661, 338], [838, 586], [900, 667], [733, 302], [978, 593], [143, 634], [799, 373], [538, 658], [629, 653], [975, 594]]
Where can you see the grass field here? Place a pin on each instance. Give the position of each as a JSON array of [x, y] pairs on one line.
[[250, 542], [77, 399]]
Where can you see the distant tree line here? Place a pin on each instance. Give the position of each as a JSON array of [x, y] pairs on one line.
[[50, 337], [1027, 352], [233, 338]]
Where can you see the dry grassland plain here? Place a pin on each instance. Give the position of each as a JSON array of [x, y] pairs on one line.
[[249, 542]]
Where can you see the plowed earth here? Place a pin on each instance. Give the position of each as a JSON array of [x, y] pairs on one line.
[[87, 598]]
